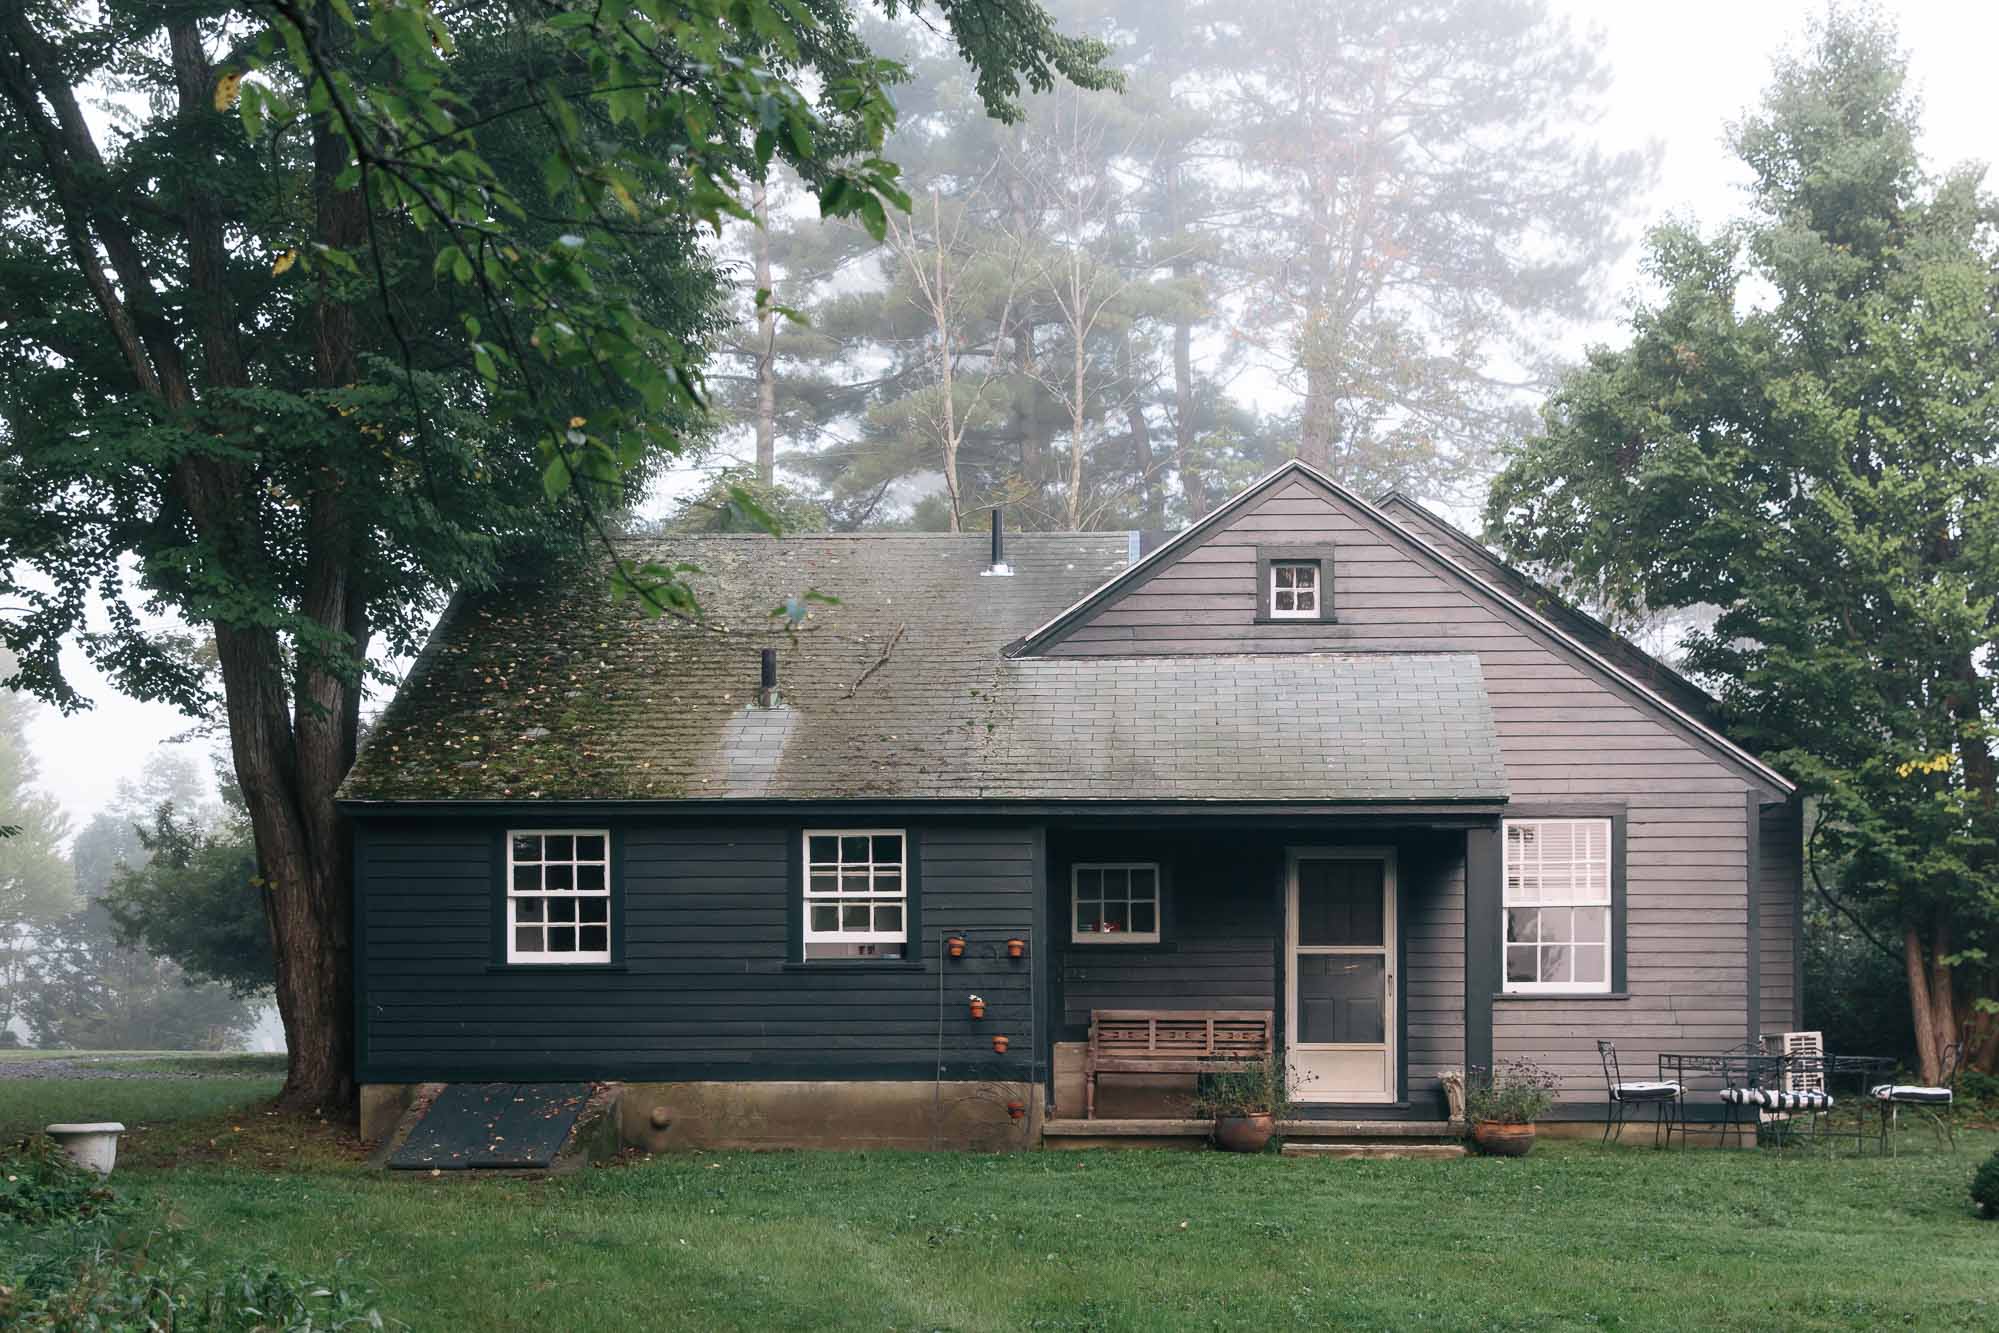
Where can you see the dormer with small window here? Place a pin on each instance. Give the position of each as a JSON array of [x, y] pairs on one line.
[[1295, 584]]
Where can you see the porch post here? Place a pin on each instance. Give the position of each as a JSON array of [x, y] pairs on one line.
[[1482, 942]]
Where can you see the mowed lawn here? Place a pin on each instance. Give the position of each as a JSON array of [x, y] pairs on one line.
[[1573, 1237]]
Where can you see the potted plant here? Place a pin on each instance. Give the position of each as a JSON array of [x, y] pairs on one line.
[[978, 1007], [1245, 1103], [1015, 948], [955, 946], [1016, 1110], [1503, 1103], [999, 1045]]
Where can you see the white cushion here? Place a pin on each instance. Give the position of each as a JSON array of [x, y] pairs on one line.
[[1625, 1092], [1908, 1092]]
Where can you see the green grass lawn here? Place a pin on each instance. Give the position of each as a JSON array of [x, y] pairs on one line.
[[1573, 1237]]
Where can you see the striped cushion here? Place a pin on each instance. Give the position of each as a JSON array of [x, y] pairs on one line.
[[1775, 1099], [1901, 1092], [1645, 1092]]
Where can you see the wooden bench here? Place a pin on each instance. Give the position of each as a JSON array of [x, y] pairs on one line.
[[1172, 1041]]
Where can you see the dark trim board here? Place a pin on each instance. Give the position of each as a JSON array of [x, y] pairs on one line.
[[1484, 892], [1384, 813], [1752, 882]]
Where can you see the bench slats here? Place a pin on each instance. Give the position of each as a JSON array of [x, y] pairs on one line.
[[1172, 1041]]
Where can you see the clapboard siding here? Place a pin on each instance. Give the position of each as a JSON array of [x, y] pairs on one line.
[[1224, 924], [1570, 732], [707, 985], [1780, 847]]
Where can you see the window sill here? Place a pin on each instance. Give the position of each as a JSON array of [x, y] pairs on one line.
[[1265, 618], [857, 965], [557, 967], [1105, 946], [1563, 995]]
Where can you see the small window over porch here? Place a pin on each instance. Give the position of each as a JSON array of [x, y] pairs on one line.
[[1114, 902]]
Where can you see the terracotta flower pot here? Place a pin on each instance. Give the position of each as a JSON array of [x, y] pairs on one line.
[[999, 1045], [978, 1009], [1500, 1139], [955, 946], [1015, 948], [1015, 1110], [1244, 1133]]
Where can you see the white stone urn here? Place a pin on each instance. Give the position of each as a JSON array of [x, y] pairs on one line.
[[94, 1147]]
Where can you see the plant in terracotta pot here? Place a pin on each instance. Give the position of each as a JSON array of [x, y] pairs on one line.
[[1503, 1103], [1244, 1103], [1016, 1109], [955, 946], [1015, 948], [999, 1045], [978, 1007]]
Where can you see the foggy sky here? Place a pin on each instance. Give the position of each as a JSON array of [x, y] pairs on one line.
[[1681, 72]]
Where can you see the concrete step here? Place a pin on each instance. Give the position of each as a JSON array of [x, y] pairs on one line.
[[1375, 1150], [1293, 1131]]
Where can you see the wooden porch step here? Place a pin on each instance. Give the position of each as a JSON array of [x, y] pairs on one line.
[[1301, 1131], [1374, 1150]]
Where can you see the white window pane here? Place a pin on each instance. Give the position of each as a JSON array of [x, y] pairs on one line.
[[562, 939], [1145, 883], [1591, 964], [1285, 575], [1557, 963], [561, 909], [1089, 883], [558, 847], [888, 917], [1523, 926], [1520, 962], [1286, 600], [1593, 925], [594, 939], [558, 879], [527, 909], [527, 847], [593, 909], [888, 847], [853, 850], [590, 879], [822, 848], [1307, 600], [825, 917], [1144, 918], [825, 882], [888, 881], [1086, 917], [527, 879], [854, 916], [527, 939], [590, 847]]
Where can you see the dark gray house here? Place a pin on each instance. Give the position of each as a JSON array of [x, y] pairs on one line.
[[1313, 757]]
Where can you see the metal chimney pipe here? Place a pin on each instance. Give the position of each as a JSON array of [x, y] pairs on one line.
[[767, 683], [999, 566]]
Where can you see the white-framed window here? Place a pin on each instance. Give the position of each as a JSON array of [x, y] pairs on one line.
[[1557, 903], [1294, 590], [1114, 902], [558, 896], [856, 893]]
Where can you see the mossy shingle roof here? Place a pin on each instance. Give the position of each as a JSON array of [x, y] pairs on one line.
[[552, 690]]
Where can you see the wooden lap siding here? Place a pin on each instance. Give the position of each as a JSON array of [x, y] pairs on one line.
[[708, 986], [1568, 736]]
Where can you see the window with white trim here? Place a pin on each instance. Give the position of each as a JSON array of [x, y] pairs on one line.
[[856, 893], [558, 896], [1114, 902], [1557, 903], [1294, 590]]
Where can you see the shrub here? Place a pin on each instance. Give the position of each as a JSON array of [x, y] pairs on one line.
[[1514, 1092], [41, 1187], [1985, 1187], [1260, 1089]]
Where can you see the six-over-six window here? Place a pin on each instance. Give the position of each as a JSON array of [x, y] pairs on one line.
[[558, 896], [856, 893], [1115, 902], [1558, 905]]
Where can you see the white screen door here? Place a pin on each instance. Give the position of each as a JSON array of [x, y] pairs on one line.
[[1339, 932]]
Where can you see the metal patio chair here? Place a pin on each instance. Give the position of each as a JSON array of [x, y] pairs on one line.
[[1936, 1102], [1625, 1093], [1776, 1087]]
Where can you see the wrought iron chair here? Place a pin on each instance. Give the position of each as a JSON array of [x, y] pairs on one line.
[[1779, 1086], [1937, 1102], [1625, 1093]]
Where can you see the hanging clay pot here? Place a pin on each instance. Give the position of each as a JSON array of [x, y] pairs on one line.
[[1015, 948], [999, 1045], [978, 1007], [1016, 1110], [955, 946]]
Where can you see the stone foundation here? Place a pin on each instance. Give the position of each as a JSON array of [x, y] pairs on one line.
[[665, 1117]]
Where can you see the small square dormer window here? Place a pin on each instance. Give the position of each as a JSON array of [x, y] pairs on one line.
[[1294, 584], [1294, 590]]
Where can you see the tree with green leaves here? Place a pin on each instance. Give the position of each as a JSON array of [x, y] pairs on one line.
[[1803, 432], [356, 301], [36, 887]]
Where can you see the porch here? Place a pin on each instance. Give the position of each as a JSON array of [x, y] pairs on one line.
[[1349, 932]]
